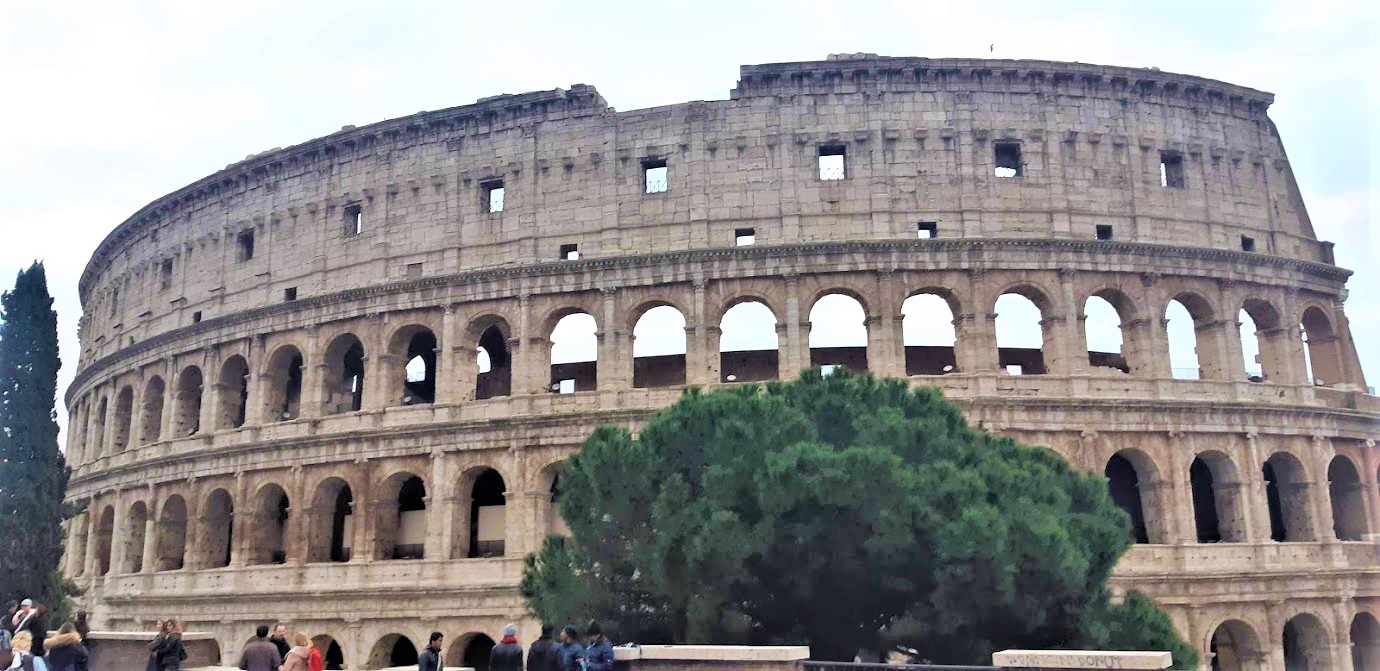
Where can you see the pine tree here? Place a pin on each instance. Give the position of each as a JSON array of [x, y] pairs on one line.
[[33, 474]]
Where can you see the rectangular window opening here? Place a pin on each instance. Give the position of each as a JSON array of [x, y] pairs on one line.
[[493, 195], [927, 230], [654, 173], [196, 317], [1104, 231], [354, 219], [289, 294], [570, 252], [414, 271], [833, 162], [1008, 159], [165, 273], [565, 386], [1014, 369], [1247, 243], [744, 237], [1171, 170], [245, 240]]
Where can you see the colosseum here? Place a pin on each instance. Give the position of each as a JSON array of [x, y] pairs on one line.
[[333, 384]]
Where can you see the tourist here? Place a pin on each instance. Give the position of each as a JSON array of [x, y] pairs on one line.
[[543, 654], [569, 654], [155, 645], [507, 655], [279, 639], [171, 653], [430, 659], [24, 659], [259, 653], [6, 652], [65, 651], [32, 619], [314, 660], [82, 627], [599, 654], [299, 655]]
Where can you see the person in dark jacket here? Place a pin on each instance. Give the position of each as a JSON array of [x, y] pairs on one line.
[[569, 652], [260, 654], [65, 651], [33, 619], [430, 659], [507, 655], [279, 639], [172, 653], [162, 632], [599, 654], [542, 654]]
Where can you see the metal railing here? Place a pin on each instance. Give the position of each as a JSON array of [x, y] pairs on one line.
[[811, 665]]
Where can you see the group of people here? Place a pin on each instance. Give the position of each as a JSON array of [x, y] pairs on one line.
[[25, 644], [545, 653], [274, 653]]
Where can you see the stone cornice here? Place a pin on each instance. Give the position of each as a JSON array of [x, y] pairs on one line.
[[970, 254]]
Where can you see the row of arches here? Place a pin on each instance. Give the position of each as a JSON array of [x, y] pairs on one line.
[[333, 525], [1221, 499], [1304, 644]]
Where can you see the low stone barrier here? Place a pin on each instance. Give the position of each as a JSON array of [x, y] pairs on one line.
[[128, 650], [1059, 660], [710, 658]]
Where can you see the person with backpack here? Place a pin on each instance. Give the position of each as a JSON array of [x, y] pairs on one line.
[[24, 658], [65, 651]]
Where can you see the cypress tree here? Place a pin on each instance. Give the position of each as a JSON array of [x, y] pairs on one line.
[[33, 473]]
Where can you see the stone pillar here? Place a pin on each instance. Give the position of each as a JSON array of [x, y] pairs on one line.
[[1071, 342], [1273, 640], [108, 435], [118, 533], [520, 511], [886, 349], [701, 341], [92, 540], [313, 398], [1257, 505], [1227, 362], [1141, 348], [169, 402], [1370, 491], [1183, 526], [378, 368], [150, 550], [975, 342], [362, 514], [792, 334], [451, 355], [615, 346], [246, 526], [438, 516], [1061, 342], [1343, 611], [210, 370]]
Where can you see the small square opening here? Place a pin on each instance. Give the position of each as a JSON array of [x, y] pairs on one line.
[[196, 317], [1104, 231], [1007, 156], [833, 162], [654, 174], [1171, 170], [1014, 369], [1247, 243], [414, 271], [245, 243], [354, 219], [570, 252], [289, 294], [492, 200], [565, 386], [927, 230], [165, 273], [828, 369], [744, 237]]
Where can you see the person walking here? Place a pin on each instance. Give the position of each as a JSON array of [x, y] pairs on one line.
[[24, 659], [507, 655], [542, 655], [314, 661], [299, 655], [430, 659], [171, 653], [155, 644], [65, 651], [570, 654], [279, 640], [259, 653], [599, 654]]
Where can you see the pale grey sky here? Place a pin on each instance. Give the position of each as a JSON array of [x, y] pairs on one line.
[[110, 105]]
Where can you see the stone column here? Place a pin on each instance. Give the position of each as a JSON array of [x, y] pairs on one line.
[[451, 355], [118, 540], [378, 368], [246, 526], [361, 516], [886, 350], [108, 436], [169, 402], [1257, 504], [1343, 610], [1229, 362], [438, 516], [1369, 489], [261, 387], [792, 334], [615, 346], [975, 342], [149, 558], [210, 370], [1324, 525], [1145, 340], [520, 530], [92, 540], [701, 341], [313, 399], [1178, 498], [1069, 333]]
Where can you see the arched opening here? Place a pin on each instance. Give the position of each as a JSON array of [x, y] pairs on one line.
[[270, 524], [393, 650], [748, 343], [80, 423], [1235, 647], [1262, 341], [344, 375], [172, 535], [95, 440], [1322, 349], [1365, 642], [472, 651], [187, 407], [1286, 495], [1104, 322], [284, 385], [1021, 332], [1132, 481], [1348, 501], [488, 520], [151, 418], [1193, 351], [417, 347], [574, 354], [1305, 644], [838, 333], [659, 348], [135, 526], [402, 519], [219, 528], [105, 533], [332, 656], [331, 530], [554, 524], [233, 391], [927, 332], [1218, 515], [495, 363], [124, 418]]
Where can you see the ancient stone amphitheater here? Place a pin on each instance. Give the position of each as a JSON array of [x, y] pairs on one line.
[[320, 386]]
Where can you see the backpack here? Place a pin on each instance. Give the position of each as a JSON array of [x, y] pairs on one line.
[[33, 663]]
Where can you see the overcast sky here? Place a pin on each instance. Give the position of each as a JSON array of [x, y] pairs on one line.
[[107, 106]]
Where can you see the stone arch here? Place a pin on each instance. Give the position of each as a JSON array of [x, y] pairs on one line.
[[1219, 511], [1365, 642], [838, 331], [344, 375], [548, 491], [411, 372], [1347, 497], [1305, 644], [136, 525], [95, 439], [400, 521], [233, 392], [1322, 349], [1234, 645], [485, 492], [217, 518], [331, 520], [658, 345], [471, 650], [283, 384], [124, 419], [267, 540], [332, 655], [392, 650], [187, 403], [1134, 484], [1016, 326], [1109, 317], [749, 349], [574, 357], [1287, 498], [490, 335], [1191, 332], [172, 534], [1261, 332], [105, 534], [928, 331], [151, 415]]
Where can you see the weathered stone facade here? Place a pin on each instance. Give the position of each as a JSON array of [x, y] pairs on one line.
[[248, 446]]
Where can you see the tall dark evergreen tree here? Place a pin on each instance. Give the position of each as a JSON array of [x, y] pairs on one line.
[[33, 474]]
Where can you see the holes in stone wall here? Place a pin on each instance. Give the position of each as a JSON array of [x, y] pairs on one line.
[[1007, 157], [491, 196], [352, 218], [244, 245], [654, 175], [744, 237], [833, 162]]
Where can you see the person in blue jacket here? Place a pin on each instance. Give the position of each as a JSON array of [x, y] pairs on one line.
[[570, 656], [599, 654]]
